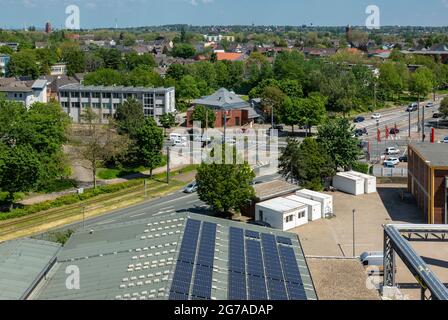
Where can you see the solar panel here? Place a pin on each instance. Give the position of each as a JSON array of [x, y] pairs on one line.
[[293, 279], [202, 286], [252, 234], [237, 265], [180, 287], [255, 271], [274, 273], [284, 240]]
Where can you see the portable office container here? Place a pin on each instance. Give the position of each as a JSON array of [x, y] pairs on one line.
[[282, 213], [349, 184], [369, 181], [325, 200], [314, 207]]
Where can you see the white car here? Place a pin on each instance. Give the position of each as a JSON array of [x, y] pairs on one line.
[[376, 116], [180, 143], [391, 162], [445, 140], [392, 151]]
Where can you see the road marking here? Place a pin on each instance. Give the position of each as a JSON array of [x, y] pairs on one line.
[[138, 215], [106, 222]]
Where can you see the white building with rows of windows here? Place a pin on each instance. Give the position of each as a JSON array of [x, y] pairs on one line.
[[105, 100]]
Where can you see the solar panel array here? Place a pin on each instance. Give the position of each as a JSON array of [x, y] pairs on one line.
[[195, 255], [262, 267]]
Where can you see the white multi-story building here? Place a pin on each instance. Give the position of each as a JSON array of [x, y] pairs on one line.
[[26, 92], [218, 38], [105, 100], [58, 69]]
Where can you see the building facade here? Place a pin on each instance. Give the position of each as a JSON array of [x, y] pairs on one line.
[[27, 92], [4, 61], [58, 69], [428, 180], [105, 100]]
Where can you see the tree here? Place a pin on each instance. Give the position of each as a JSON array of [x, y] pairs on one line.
[[101, 144], [204, 115], [390, 81], [183, 50], [307, 162], [23, 64], [149, 141], [103, 77], [168, 120], [289, 112], [143, 76], [337, 138], [20, 169], [74, 57], [289, 65], [129, 117], [225, 187], [187, 89], [421, 84], [312, 111], [444, 107], [133, 60], [271, 99]]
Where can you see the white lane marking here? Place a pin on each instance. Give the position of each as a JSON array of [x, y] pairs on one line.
[[105, 222], [138, 215]]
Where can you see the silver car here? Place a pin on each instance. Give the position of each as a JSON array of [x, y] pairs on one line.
[[191, 188]]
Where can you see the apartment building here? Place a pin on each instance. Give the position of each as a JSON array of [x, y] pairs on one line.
[[27, 92], [105, 100]]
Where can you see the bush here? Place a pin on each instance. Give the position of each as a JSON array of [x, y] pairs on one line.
[[361, 167]]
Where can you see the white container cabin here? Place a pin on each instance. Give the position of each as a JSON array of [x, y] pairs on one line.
[[314, 207], [369, 181], [348, 183], [282, 213], [325, 200]]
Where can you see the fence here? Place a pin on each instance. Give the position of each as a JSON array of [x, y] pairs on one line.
[[379, 171]]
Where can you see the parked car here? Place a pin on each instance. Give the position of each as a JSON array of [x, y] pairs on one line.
[[177, 136], [430, 105], [413, 107], [391, 162], [180, 143], [437, 115], [392, 151], [376, 116], [360, 132], [192, 187], [445, 140], [359, 119], [394, 131], [403, 158]]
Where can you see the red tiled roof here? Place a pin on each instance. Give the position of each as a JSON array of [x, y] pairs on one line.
[[231, 56]]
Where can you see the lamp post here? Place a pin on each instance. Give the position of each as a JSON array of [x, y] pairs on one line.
[[378, 139], [354, 246]]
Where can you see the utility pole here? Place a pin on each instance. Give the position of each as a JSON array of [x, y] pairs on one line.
[[354, 246], [83, 217], [145, 186], [418, 114], [409, 133], [168, 150], [423, 124]]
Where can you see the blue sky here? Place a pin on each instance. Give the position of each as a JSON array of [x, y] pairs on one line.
[[102, 13]]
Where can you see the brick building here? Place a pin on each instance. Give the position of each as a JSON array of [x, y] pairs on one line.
[[428, 180], [227, 106]]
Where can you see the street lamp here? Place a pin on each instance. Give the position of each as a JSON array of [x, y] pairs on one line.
[[354, 247]]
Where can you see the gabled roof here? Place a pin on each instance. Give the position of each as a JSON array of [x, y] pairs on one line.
[[222, 99]]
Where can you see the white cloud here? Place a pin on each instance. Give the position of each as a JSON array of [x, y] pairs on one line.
[[197, 2]]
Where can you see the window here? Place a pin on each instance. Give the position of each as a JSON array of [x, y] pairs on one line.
[[237, 121], [289, 218], [117, 95], [85, 105], [75, 104], [85, 94], [64, 94], [97, 105], [116, 105], [301, 215], [64, 104], [106, 95], [96, 95], [106, 105], [74, 94]]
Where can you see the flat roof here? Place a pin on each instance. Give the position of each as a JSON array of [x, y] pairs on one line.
[[271, 189], [436, 153], [80, 87], [22, 262], [281, 205], [304, 200], [139, 259]]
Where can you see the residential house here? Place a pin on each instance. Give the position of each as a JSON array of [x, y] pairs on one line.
[[27, 92]]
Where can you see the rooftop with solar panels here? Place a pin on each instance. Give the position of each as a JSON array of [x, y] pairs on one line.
[[181, 256]]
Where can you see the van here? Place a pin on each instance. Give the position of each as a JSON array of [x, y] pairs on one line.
[[177, 137]]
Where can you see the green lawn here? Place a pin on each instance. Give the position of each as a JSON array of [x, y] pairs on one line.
[[114, 173]]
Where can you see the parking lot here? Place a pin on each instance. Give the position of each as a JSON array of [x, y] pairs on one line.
[[334, 237]]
